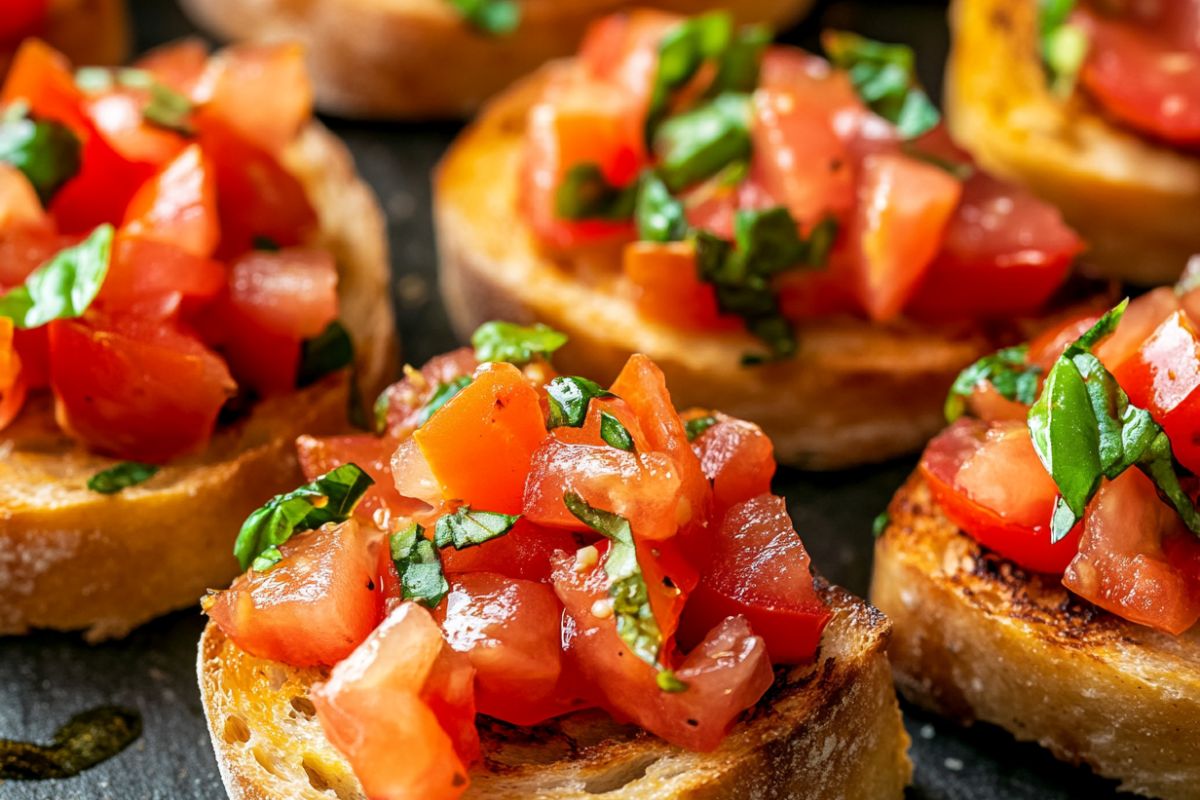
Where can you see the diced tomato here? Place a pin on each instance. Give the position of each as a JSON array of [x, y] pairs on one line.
[[1163, 377], [178, 65], [381, 503], [509, 629], [138, 388], [403, 687], [668, 288], [738, 458], [1004, 252], [760, 570], [12, 382], [291, 292], [22, 250], [480, 443], [1047, 346], [23, 18], [414, 479], [1143, 70], [260, 358], [260, 91], [1141, 318], [903, 208], [405, 399], [101, 190], [524, 552], [312, 608], [989, 482], [179, 205], [19, 204], [988, 405], [33, 348], [1121, 565], [42, 77], [142, 269], [805, 294], [727, 673], [622, 49], [118, 116]]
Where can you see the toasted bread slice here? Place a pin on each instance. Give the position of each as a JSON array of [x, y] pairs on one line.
[[1133, 200], [976, 638], [71, 558], [87, 31], [387, 58], [855, 392], [827, 730]]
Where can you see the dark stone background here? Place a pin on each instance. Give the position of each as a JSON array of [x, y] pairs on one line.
[[46, 678]]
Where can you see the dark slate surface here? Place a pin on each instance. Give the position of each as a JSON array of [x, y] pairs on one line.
[[44, 679]]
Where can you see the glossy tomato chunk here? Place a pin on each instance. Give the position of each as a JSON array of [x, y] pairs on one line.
[[313, 607], [20, 207], [135, 387], [989, 482], [761, 571], [404, 687], [525, 552], [143, 269], [260, 91], [738, 458], [12, 382], [667, 286], [290, 292], [179, 205], [118, 118]]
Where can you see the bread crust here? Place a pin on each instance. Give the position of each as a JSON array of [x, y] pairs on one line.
[[1133, 200], [376, 59], [827, 730], [87, 31], [71, 558], [855, 392], [976, 638]]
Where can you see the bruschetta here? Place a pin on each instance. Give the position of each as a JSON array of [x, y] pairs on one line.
[[810, 259], [1042, 568], [180, 241], [609, 584], [1097, 110], [87, 31], [378, 59]]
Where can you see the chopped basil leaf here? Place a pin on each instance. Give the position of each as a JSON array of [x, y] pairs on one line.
[[419, 566], [1064, 46], [380, 410], [681, 52], [45, 151], [516, 344], [267, 559], [698, 143], [820, 241], [1084, 429], [660, 217], [962, 170], [493, 17], [327, 352], [330, 498], [467, 528], [586, 194], [121, 476], [768, 242], [880, 524], [265, 243], [695, 428], [569, 397], [614, 433], [64, 286], [168, 109], [739, 64], [441, 396], [634, 616], [885, 77], [1005, 370]]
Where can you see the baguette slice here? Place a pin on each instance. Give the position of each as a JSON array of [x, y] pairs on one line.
[[87, 31], [71, 558], [827, 730], [854, 393], [1133, 200], [388, 58], [976, 638]]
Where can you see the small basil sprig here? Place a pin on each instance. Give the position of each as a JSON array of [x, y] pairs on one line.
[[614, 433], [516, 344], [1064, 46], [660, 217], [885, 77], [48, 153], [635, 621], [1084, 429], [64, 286], [468, 528], [330, 498], [585, 194], [681, 52], [441, 395], [739, 65], [327, 352], [419, 565], [1005, 370], [695, 428], [569, 397], [698, 143], [493, 17], [121, 476]]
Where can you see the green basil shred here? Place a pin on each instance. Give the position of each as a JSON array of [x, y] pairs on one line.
[[1063, 46], [121, 476], [64, 286], [660, 217], [467, 527], [585, 193], [516, 344], [695, 428], [614, 433], [569, 397], [700, 142], [48, 153], [329, 351], [1005, 370], [493, 17], [419, 565], [885, 77]]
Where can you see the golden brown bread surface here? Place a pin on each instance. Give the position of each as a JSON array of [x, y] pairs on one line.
[[1133, 200], [71, 558], [976, 638], [854, 393], [417, 58], [828, 730], [88, 31]]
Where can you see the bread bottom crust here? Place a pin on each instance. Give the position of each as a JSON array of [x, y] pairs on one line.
[[976, 638], [827, 730]]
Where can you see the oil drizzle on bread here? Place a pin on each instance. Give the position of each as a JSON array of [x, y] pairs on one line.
[[82, 742]]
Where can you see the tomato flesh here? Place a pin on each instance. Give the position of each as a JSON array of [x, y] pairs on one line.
[[382, 502], [738, 458], [668, 288], [179, 205], [524, 553], [12, 382]]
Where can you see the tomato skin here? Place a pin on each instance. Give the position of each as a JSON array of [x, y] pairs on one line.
[[403, 685], [1141, 318], [117, 117], [760, 570], [178, 65], [290, 292], [667, 287], [975, 472], [143, 269], [525, 553], [137, 388], [382, 503], [312, 608], [19, 203], [12, 382], [406, 398], [480, 443], [264, 360], [179, 205], [738, 458], [22, 18], [42, 76]]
